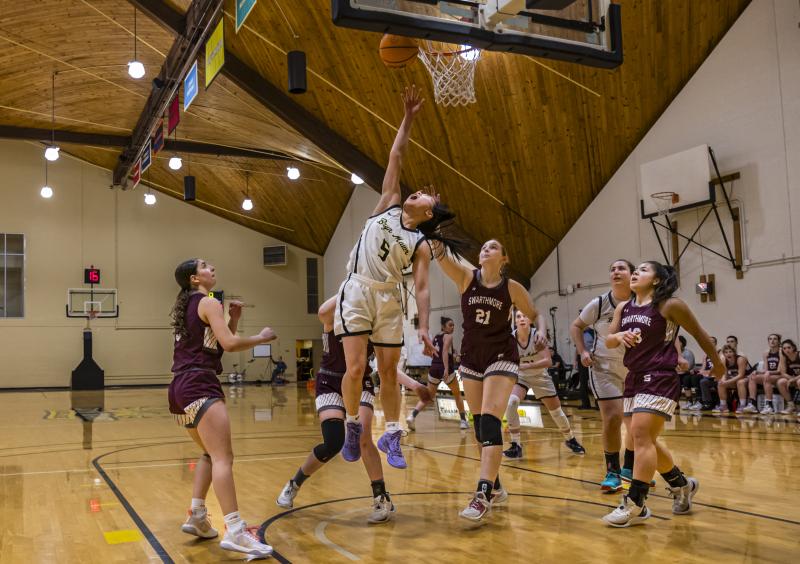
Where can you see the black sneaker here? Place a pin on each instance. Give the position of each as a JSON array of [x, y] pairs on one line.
[[514, 451], [575, 446]]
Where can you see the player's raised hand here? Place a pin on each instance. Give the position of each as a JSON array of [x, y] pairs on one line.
[[235, 309], [412, 100]]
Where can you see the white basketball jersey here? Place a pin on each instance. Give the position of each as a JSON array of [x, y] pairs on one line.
[[599, 313], [385, 247], [528, 353]]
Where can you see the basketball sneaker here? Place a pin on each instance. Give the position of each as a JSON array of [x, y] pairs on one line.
[[767, 409], [626, 475], [199, 525], [464, 425], [721, 408], [288, 493], [611, 483], [382, 510], [352, 441], [390, 444], [627, 514], [477, 508], [750, 408], [245, 540], [499, 496], [739, 409], [513, 452], [575, 446], [410, 421], [695, 406], [789, 409], [682, 497]]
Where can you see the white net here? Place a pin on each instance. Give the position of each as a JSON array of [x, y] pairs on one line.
[[452, 71], [664, 201]]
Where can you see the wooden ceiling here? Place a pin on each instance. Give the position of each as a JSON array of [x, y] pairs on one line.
[[521, 165]]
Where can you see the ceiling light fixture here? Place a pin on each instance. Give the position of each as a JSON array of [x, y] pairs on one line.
[[247, 204], [175, 162], [356, 179], [46, 192], [293, 173], [150, 199], [51, 152], [135, 68]]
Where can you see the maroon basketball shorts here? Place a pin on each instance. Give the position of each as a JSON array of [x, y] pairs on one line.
[[482, 360], [191, 393], [328, 389], [436, 375], [655, 392]]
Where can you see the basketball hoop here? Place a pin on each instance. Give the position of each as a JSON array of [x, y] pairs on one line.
[[664, 201], [452, 70]]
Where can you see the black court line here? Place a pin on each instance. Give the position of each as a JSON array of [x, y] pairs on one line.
[[280, 558], [148, 534], [531, 470]]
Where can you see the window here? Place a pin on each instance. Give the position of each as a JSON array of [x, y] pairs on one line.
[[12, 275], [312, 285]]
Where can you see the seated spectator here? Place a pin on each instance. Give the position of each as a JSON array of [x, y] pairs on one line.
[[707, 382], [790, 376], [690, 379], [279, 371], [771, 370], [734, 378]]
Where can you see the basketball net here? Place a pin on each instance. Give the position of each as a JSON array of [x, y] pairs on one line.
[[664, 201], [452, 71]]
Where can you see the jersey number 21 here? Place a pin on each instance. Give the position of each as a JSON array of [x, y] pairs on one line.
[[482, 316]]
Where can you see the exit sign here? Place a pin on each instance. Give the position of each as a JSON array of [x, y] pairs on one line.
[[91, 275]]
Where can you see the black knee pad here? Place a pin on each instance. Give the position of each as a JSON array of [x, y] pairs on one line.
[[476, 425], [491, 430], [332, 439]]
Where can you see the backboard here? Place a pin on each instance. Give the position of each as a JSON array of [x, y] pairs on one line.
[[92, 302], [687, 173], [586, 32]]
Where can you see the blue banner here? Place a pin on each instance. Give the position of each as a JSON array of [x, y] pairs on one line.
[[190, 87], [243, 9], [147, 156]]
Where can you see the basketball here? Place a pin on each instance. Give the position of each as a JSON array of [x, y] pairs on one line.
[[397, 51]]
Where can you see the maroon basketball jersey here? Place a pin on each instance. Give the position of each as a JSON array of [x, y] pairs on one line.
[[773, 361], [655, 349], [732, 369], [438, 342], [487, 313], [333, 361], [200, 350], [792, 366]]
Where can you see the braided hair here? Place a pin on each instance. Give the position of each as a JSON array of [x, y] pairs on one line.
[[183, 276], [668, 284]]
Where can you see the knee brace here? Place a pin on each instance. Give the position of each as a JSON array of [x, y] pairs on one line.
[[512, 413], [476, 425], [332, 440], [491, 430]]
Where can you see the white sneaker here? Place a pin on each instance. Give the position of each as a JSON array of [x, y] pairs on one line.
[[382, 510], [721, 408], [627, 514], [682, 497], [464, 425], [740, 409], [288, 493], [750, 408], [499, 496], [789, 409], [411, 423], [245, 540], [696, 406], [767, 409], [199, 525], [477, 509]]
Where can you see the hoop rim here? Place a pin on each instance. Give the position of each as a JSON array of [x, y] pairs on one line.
[[451, 53], [663, 195]]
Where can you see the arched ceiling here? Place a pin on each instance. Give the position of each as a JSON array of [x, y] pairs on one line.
[[521, 165]]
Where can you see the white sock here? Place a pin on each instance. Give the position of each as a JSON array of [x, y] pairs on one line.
[[198, 503], [392, 426], [352, 418], [515, 437], [512, 414], [233, 521], [562, 422]]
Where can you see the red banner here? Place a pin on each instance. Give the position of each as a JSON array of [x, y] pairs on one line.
[[174, 117], [136, 173]]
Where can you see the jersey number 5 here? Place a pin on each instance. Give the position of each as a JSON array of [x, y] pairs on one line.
[[482, 316], [384, 251]]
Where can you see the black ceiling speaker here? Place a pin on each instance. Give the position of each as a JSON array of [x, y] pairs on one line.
[[189, 192], [297, 72]]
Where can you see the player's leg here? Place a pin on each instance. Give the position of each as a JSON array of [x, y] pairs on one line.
[[741, 389], [553, 405], [430, 389], [452, 383], [607, 384], [388, 357], [783, 385], [355, 354], [198, 523], [752, 391], [722, 391], [382, 506], [512, 416]]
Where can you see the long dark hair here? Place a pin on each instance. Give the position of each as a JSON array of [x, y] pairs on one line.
[[668, 281], [790, 343], [183, 276], [439, 229], [445, 320]]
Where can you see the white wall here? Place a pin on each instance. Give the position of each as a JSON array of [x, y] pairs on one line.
[[137, 248], [744, 102]]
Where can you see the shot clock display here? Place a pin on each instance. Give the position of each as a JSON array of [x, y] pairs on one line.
[[91, 275]]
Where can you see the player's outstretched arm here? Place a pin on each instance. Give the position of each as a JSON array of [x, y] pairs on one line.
[[390, 191], [210, 311], [422, 261], [679, 313]]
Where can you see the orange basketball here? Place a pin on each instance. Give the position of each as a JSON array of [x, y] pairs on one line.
[[397, 51]]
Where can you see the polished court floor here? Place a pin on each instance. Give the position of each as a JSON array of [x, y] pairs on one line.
[[113, 485]]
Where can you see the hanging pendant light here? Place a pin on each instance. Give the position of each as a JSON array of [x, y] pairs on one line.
[[293, 172], [51, 152], [135, 67], [247, 204], [356, 179], [46, 192]]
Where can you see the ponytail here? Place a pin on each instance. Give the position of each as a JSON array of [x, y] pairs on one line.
[[668, 284], [438, 229], [183, 276]]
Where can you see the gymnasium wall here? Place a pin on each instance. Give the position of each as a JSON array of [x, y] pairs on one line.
[[744, 102], [137, 248]]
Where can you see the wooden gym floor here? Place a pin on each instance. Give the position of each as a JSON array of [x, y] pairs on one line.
[[117, 489]]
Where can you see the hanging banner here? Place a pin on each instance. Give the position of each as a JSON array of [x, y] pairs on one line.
[[243, 9], [158, 137], [136, 173], [215, 53], [174, 115], [190, 87], [147, 156]]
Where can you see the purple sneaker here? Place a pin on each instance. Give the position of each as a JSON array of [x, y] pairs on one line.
[[390, 444], [352, 441]]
